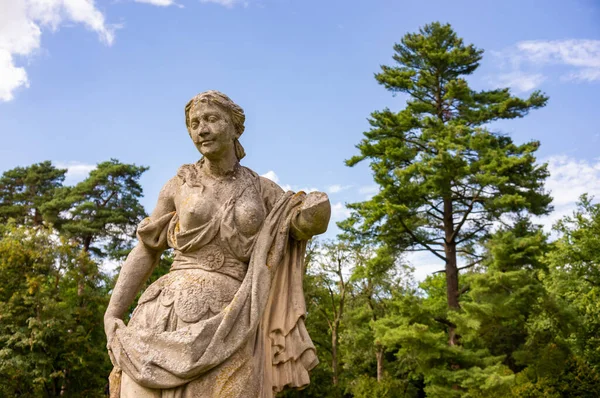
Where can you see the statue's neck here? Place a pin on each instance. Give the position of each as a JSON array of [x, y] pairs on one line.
[[220, 167]]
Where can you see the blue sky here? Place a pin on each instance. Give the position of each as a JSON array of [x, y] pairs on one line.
[[84, 81]]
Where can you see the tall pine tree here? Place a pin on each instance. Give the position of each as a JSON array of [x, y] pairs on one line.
[[445, 178]]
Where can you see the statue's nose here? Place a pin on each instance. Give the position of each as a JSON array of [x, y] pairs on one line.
[[204, 132]]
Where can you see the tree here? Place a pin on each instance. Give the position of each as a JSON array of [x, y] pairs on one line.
[[103, 209], [50, 345], [317, 324], [445, 178], [377, 279], [574, 278], [25, 190], [331, 269], [53, 294]]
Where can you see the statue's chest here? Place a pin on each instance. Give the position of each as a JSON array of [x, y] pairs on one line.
[[196, 206]]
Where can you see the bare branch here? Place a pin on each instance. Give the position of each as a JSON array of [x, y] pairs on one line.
[[474, 263], [464, 218], [473, 233], [420, 242]]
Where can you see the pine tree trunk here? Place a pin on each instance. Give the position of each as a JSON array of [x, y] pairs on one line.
[[451, 267], [379, 355], [452, 277], [452, 288]]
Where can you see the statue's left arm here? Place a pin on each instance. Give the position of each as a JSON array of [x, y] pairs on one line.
[[313, 215]]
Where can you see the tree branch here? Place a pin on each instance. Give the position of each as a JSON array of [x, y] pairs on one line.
[[444, 321], [472, 234], [324, 313], [465, 216], [420, 242]]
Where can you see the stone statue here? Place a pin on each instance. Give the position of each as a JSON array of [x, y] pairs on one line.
[[228, 319]]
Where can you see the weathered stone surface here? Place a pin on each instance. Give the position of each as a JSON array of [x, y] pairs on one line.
[[228, 319]]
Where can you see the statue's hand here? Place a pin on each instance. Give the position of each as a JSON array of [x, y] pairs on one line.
[[111, 324], [313, 216]]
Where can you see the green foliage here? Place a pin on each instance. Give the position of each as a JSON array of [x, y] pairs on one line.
[[580, 239], [25, 190], [53, 295], [577, 379], [368, 387], [104, 208], [574, 277], [50, 336]]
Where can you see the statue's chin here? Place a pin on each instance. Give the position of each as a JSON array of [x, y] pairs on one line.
[[214, 153], [206, 152]]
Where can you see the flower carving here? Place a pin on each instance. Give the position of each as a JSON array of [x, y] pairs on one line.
[[211, 257]]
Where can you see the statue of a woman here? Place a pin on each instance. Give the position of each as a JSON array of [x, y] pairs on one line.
[[228, 319]]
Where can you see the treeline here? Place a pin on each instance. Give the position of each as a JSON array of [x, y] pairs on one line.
[[53, 294], [528, 323], [511, 311]]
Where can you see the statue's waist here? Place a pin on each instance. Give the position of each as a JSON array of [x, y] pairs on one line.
[[213, 258]]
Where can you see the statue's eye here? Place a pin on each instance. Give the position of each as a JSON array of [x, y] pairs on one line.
[[194, 124], [212, 118]]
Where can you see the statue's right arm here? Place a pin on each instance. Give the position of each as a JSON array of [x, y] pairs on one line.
[[137, 267]]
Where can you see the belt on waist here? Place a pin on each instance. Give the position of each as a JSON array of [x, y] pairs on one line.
[[211, 258]]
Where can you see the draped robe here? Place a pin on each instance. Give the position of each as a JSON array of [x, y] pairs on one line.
[[260, 331]]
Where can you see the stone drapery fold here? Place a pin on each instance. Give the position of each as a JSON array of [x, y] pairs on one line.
[[268, 308]]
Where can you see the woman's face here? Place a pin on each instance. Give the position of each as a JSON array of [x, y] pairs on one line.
[[211, 129]]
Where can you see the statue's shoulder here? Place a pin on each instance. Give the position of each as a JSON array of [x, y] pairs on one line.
[[269, 185], [270, 191], [188, 173]]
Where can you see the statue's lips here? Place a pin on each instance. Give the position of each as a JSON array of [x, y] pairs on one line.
[[206, 142]]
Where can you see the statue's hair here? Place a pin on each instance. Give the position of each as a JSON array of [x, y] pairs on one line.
[[235, 111]]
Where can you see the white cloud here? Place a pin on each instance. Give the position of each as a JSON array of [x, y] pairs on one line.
[[580, 56], [160, 3], [110, 266], [21, 24], [339, 212], [424, 264], [569, 179], [305, 189], [577, 53], [271, 176], [518, 80], [585, 75], [337, 188], [369, 191], [12, 76], [76, 171], [226, 3]]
